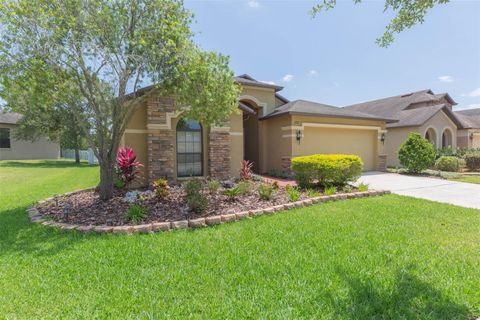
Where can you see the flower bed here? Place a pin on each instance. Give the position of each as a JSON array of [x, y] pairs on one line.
[[83, 210]]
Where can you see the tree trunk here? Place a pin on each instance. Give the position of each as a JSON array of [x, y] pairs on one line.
[[106, 179], [77, 155]]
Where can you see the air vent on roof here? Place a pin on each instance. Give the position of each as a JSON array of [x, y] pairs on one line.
[[406, 95]]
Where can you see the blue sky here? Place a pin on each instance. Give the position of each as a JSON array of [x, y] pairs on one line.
[[333, 58]]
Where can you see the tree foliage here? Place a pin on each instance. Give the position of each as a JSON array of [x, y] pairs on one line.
[[93, 56], [408, 14], [416, 153]]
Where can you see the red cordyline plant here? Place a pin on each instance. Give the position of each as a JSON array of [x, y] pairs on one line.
[[127, 165], [246, 170]]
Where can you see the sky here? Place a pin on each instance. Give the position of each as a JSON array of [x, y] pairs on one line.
[[333, 58]]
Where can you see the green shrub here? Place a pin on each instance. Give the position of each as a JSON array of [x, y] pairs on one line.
[[119, 184], [265, 191], [472, 160], [244, 187], [233, 193], [213, 186], [312, 193], [161, 188], [449, 163], [196, 200], [363, 187], [336, 169], [416, 154], [293, 193], [330, 190], [135, 213], [347, 188]]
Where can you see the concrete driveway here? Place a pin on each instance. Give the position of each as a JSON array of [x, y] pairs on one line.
[[457, 193]]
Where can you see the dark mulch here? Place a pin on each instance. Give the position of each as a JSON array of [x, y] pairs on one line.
[[86, 208]]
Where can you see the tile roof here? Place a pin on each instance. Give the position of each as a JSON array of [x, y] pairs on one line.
[[317, 109], [469, 118], [398, 107], [9, 117]]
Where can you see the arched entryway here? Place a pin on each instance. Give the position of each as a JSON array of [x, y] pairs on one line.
[[431, 135], [447, 138], [251, 150]]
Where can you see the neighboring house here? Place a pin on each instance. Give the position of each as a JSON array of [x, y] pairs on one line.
[[423, 112], [268, 130], [469, 136], [13, 149]]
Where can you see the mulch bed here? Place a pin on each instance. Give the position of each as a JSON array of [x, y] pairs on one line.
[[86, 208]]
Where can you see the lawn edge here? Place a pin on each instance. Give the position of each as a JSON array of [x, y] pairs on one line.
[[36, 217]]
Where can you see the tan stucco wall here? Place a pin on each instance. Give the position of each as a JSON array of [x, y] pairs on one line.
[[277, 146], [468, 138], [135, 136], [439, 122], [260, 97], [236, 143], [25, 150]]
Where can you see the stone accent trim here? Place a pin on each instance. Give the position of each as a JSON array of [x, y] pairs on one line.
[[286, 163], [382, 162], [153, 227], [219, 152]]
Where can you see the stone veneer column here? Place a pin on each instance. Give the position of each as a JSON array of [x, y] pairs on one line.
[[219, 152], [382, 162], [160, 139], [287, 165]]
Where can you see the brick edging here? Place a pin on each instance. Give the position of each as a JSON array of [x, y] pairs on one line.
[[36, 217]]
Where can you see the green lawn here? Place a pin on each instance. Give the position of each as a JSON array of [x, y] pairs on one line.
[[467, 178], [388, 257]]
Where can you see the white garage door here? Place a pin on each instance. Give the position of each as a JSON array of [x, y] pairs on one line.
[[347, 141]]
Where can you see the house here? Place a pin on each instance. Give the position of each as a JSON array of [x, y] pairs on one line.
[[469, 135], [423, 112], [268, 130], [14, 149]]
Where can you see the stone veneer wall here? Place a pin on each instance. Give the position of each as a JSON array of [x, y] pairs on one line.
[[160, 141], [382, 162], [219, 152]]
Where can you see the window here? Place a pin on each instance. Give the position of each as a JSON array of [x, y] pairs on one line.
[[189, 148], [4, 138]]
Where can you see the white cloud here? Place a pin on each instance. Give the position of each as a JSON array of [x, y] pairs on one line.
[[475, 93], [446, 78], [269, 82], [253, 3], [287, 78], [313, 73]]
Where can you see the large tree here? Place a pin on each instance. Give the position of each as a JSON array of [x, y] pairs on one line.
[[408, 14], [104, 51]]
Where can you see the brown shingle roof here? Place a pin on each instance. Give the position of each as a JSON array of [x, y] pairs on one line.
[[396, 107], [9, 117], [247, 80], [470, 119], [310, 108]]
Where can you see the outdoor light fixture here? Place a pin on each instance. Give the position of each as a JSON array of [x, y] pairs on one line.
[[471, 136], [299, 135], [382, 138]]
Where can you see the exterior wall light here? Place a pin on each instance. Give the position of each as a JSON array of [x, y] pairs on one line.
[[382, 138], [471, 136], [299, 135]]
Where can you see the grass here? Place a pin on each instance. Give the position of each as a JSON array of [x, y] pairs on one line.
[[468, 179], [389, 257]]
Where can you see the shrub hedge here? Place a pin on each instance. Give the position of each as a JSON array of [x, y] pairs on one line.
[[326, 169], [472, 160], [449, 163], [416, 154]]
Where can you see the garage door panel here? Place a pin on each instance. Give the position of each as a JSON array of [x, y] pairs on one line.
[[327, 140]]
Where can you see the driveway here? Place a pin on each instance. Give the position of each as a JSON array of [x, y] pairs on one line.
[[457, 193]]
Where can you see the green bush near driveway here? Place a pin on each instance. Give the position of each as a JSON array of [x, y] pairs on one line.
[[449, 163], [327, 169], [416, 153]]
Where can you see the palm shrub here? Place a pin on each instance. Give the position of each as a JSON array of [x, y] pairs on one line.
[[196, 200], [416, 154], [233, 193], [128, 167], [246, 170], [265, 191], [449, 163]]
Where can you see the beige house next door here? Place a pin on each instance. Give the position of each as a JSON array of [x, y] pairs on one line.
[[361, 142]]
